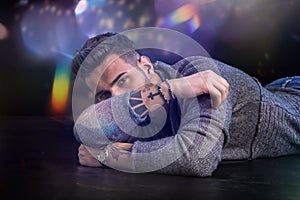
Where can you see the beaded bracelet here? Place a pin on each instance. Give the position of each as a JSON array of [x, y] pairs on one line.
[[170, 89], [161, 93]]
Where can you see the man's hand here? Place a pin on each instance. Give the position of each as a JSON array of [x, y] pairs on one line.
[[86, 158], [205, 82]]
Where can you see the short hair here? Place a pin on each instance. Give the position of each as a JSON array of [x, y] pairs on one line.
[[97, 48]]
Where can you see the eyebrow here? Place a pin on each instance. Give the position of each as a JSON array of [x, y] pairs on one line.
[[117, 78], [111, 84]]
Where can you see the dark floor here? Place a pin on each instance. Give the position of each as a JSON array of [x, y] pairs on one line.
[[38, 161]]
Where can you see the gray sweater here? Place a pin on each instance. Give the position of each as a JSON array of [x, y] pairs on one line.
[[254, 122]]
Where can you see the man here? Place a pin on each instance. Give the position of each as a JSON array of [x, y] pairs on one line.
[[155, 117]]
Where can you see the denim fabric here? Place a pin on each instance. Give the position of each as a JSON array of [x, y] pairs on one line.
[[288, 82]]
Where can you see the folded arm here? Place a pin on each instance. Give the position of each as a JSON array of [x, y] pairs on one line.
[[188, 138]]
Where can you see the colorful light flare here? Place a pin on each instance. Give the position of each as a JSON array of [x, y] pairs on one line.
[[60, 88], [187, 12], [194, 23]]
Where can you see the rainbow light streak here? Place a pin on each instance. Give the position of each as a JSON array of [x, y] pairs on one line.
[[60, 88], [180, 15], [194, 23]]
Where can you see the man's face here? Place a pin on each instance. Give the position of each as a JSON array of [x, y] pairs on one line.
[[118, 77]]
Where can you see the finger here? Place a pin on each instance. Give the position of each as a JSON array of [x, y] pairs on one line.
[[82, 148], [222, 89], [220, 79], [222, 85], [226, 84], [215, 96], [218, 91]]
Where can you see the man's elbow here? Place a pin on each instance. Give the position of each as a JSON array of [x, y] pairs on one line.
[[199, 171], [204, 167], [207, 172], [201, 168]]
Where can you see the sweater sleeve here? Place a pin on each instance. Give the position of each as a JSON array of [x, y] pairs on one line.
[[113, 120], [196, 148], [95, 126]]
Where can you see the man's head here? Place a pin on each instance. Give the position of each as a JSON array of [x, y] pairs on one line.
[[110, 65], [111, 43]]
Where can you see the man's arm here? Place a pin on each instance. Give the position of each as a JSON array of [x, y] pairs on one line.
[[115, 151], [194, 151], [210, 82], [196, 148]]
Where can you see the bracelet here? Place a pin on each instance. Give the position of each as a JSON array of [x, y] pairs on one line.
[[161, 93], [103, 155], [170, 89]]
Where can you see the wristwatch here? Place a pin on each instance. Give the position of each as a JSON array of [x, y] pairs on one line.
[[103, 155]]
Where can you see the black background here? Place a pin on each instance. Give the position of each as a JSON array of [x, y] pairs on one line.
[[266, 46]]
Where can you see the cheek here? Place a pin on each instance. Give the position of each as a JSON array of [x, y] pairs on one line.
[[138, 81]]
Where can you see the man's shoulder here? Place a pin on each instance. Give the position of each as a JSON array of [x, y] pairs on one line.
[[194, 64]]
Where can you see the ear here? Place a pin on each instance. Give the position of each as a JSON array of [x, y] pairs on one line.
[[146, 65]]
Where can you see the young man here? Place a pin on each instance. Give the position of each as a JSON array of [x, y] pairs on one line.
[[155, 117]]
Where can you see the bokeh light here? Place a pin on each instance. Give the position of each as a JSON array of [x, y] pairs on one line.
[[47, 30], [38, 29], [98, 16], [3, 32], [253, 35]]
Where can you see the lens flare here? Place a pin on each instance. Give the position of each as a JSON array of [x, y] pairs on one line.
[[81, 7], [194, 23], [60, 88], [187, 12]]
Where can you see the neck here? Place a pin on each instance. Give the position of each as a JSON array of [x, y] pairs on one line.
[[156, 77]]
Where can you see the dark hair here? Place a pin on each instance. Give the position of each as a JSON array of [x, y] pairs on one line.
[[97, 48]]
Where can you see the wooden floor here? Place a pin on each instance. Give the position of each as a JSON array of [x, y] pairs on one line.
[[38, 161]]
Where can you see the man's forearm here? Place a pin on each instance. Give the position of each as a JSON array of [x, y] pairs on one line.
[[116, 158]]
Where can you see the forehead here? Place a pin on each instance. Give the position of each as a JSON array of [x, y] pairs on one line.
[[105, 73]]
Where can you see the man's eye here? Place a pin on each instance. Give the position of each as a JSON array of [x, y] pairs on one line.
[[102, 96], [122, 81]]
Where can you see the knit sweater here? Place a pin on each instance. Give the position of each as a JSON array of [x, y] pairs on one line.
[[192, 138]]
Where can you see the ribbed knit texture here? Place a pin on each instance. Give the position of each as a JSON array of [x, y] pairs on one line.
[[279, 126]]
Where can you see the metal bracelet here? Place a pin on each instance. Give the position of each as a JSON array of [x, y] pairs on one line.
[[170, 89], [161, 93], [103, 155]]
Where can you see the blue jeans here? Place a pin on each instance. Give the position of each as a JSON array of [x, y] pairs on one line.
[[288, 82]]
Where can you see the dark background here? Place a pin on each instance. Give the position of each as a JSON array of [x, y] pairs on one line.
[[260, 37], [38, 151]]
